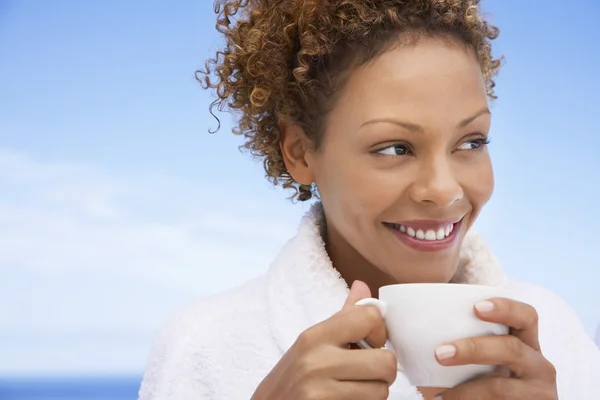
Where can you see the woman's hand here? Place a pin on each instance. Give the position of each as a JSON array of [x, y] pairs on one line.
[[321, 365], [529, 375]]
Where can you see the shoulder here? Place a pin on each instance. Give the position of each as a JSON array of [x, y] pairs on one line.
[[217, 317], [557, 319], [207, 340], [564, 340], [221, 310], [554, 312], [543, 299]]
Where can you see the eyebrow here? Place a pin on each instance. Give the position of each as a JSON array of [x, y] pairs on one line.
[[418, 128]]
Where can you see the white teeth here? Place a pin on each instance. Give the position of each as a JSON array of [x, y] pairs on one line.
[[441, 233], [429, 235]]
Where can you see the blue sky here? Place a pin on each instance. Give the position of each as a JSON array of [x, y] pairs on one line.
[[117, 206]]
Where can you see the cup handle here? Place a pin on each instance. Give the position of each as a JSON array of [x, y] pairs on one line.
[[382, 309]]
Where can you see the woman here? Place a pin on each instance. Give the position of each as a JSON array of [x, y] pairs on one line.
[[381, 107]]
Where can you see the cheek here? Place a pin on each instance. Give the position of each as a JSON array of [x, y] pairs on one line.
[[353, 194], [481, 184], [360, 186], [346, 188]]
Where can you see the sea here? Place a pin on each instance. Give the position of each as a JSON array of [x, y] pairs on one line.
[[70, 388]]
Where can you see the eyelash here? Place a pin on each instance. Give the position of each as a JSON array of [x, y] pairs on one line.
[[481, 143]]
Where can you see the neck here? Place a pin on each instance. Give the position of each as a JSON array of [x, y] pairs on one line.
[[351, 265]]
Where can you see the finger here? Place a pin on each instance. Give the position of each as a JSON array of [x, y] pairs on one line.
[[351, 325], [358, 291], [520, 317], [377, 337], [493, 388], [353, 390], [366, 365], [506, 350]]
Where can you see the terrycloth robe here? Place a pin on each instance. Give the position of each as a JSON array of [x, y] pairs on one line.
[[221, 347]]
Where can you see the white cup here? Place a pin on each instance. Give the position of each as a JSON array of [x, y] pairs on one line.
[[419, 317]]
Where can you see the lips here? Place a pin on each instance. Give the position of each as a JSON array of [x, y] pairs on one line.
[[427, 236]]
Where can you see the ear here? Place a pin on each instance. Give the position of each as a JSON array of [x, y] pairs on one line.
[[295, 147]]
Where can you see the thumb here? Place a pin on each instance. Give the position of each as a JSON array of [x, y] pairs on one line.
[[358, 291]]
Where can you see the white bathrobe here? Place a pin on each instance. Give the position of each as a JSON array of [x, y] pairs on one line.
[[221, 347]]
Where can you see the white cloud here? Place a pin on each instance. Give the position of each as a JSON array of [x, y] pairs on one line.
[[84, 252], [68, 217]]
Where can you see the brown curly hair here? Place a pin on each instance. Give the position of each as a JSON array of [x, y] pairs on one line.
[[284, 60]]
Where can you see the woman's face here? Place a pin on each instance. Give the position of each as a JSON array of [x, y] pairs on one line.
[[404, 170]]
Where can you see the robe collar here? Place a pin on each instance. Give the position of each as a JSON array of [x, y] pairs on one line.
[[304, 288]]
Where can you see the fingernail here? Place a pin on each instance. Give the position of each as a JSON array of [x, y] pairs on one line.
[[445, 351], [437, 398], [484, 306]]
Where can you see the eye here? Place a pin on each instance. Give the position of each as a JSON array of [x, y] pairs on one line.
[[474, 144], [394, 150]]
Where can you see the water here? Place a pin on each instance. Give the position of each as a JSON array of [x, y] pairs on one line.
[[97, 388]]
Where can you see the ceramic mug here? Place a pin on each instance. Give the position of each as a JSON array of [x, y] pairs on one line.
[[419, 317]]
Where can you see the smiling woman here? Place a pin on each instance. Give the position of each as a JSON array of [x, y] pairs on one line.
[[404, 145], [380, 111]]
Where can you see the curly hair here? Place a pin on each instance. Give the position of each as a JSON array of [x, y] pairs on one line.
[[285, 60]]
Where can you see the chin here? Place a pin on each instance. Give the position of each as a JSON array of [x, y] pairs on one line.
[[439, 271], [429, 278]]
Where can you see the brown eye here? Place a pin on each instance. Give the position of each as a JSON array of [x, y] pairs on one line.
[[395, 150], [474, 144]]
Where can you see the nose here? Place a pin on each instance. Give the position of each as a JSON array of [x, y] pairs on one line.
[[436, 183]]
